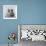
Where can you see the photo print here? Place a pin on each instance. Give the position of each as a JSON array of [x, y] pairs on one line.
[[9, 11], [32, 32]]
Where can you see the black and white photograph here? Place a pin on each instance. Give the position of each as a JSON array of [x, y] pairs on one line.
[[9, 11], [31, 34]]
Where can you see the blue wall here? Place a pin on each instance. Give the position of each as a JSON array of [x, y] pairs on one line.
[[7, 26], [33, 12], [28, 12]]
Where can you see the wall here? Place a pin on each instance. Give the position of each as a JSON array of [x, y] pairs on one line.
[[34, 12], [29, 12], [7, 26]]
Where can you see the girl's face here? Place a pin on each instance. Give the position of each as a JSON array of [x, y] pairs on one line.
[[11, 10], [8, 10]]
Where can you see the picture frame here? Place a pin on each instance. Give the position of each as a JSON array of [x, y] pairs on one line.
[[9, 11]]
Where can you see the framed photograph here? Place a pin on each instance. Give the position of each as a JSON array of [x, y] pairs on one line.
[[31, 32], [9, 11]]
